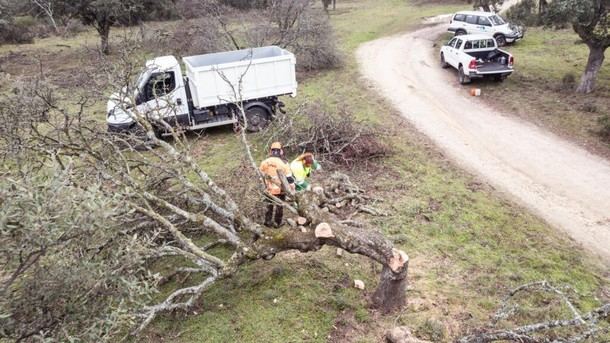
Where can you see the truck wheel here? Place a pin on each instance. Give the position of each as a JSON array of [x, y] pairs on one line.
[[444, 64], [462, 78], [258, 118], [501, 40], [459, 33]]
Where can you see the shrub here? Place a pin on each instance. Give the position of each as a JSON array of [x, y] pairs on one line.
[[568, 82], [190, 37], [297, 26], [246, 4], [72, 28], [589, 107], [14, 32], [337, 138], [604, 131], [432, 330], [524, 13]]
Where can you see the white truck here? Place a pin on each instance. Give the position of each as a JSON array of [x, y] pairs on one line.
[[475, 22], [208, 94], [476, 56]]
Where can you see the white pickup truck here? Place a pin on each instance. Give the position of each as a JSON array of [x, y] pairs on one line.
[[476, 56], [206, 97]]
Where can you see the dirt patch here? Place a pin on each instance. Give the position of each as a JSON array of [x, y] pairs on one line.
[[67, 68], [347, 329]]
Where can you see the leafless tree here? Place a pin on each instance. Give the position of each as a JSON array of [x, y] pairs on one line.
[[46, 6], [151, 199]]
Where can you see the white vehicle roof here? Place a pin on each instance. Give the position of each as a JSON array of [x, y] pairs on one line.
[[474, 37], [481, 13], [162, 63]]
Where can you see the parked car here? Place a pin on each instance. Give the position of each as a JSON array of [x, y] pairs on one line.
[[206, 96], [474, 22], [476, 56]]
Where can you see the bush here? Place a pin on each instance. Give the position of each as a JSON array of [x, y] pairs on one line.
[[298, 27], [524, 13], [568, 81], [604, 131], [246, 4], [189, 37], [13, 32], [339, 138], [72, 28]]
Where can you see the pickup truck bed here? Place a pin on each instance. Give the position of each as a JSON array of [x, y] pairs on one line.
[[476, 56]]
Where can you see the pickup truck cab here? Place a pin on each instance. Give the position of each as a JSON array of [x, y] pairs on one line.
[[476, 56], [475, 22]]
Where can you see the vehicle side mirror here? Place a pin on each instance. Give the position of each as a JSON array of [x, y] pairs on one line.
[[139, 98]]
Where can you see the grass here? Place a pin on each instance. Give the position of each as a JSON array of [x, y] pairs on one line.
[[467, 245], [537, 92]]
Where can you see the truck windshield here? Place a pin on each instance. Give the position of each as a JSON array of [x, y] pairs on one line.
[[497, 20]]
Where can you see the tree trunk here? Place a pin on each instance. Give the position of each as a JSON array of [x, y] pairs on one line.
[[104, 31], [594, 64], [390, 294], [334, 5]]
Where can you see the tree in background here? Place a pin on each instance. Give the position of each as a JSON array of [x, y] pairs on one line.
[[327, 3], [103, 14], [486, 5], [591, 21]]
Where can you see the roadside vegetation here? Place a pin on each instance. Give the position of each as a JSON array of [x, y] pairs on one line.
[[468, 246]]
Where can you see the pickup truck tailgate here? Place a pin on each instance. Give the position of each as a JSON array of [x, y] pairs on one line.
[[492, 68]]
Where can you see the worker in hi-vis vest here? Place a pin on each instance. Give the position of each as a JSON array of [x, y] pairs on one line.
[[269, 169], [301, 169]]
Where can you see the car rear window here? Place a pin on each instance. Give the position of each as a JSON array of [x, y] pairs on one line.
[[459, 17], [479, 44]]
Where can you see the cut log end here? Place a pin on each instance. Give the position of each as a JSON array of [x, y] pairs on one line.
[[398, 260], [301, 221], [323, 230]]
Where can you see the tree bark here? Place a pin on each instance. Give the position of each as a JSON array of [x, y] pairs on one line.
[[390, 294], [594, 64], [104, 31]]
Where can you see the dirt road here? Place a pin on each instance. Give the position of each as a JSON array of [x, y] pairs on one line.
[[557, 180]]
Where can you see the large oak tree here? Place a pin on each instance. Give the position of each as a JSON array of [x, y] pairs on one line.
[[590, 20]]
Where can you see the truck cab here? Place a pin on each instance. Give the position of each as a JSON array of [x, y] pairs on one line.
[[159, 92]]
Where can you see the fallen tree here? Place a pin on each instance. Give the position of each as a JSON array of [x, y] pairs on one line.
[[155, 202], [582, 327]]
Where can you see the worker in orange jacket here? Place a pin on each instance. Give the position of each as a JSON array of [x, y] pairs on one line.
[[269, 168]]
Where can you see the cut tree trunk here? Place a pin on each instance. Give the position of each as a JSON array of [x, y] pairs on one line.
[[594, 64], [390, 294]]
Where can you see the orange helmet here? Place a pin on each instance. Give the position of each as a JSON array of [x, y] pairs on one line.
[[276, 145]]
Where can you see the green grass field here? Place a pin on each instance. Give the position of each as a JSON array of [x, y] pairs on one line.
[[468, 246]]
